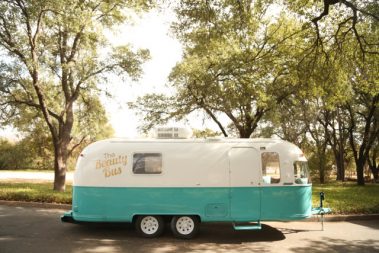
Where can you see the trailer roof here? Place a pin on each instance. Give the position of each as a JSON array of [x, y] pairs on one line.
[[206, 140]]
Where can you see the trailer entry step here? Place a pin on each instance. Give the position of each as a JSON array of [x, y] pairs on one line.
[[248, 226]]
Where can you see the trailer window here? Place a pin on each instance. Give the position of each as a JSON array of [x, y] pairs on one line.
[[147, 163], [301, 172], [270, 168]]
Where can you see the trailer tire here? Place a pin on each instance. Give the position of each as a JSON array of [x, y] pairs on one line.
[[185, 227], [149, 226]]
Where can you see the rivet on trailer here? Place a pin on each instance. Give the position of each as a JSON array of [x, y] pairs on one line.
[[189, 181]]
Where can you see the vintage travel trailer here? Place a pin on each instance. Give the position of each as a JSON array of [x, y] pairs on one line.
[[188, 181]]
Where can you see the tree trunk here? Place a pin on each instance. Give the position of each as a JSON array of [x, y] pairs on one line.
[[340, 166], [360, 163], [337, 142], [245, 133], [60, 167], [321, 166], [375, 171], [61, 150], [322, 174]]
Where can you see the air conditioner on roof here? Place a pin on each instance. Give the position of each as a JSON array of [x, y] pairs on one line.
[[172, 133]]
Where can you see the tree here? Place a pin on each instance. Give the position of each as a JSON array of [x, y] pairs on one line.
[[363, 130], [8, 155], [237, 64], [338, 139], [53, 56], [362, 109], [363, 125], [36, 137], [286, 122], [373, 162], [340, 19], [205, 133]]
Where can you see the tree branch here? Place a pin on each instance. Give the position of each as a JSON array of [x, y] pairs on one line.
[[32, 104], [76, 145]]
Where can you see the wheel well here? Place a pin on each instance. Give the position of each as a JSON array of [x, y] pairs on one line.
[[198, 217], [134, 218]]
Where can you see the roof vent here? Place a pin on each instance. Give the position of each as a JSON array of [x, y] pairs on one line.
[[172, 133]]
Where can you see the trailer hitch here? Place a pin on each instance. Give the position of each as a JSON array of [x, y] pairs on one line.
[[321, 210], [67, 217]]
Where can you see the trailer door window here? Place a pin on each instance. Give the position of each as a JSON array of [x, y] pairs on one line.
[[270, 167], [147, 163]]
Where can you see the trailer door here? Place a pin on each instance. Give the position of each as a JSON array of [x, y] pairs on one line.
[[245, 192]]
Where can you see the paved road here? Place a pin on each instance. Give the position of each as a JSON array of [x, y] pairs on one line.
[[40, 230]]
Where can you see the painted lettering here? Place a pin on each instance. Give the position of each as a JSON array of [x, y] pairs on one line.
[[112, 172], [109, 162]]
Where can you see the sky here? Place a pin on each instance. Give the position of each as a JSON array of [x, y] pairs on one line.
[[150, 31]]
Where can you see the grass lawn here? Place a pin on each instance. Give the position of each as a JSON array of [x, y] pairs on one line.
[[343, 198], [348, 198], [34, 192]]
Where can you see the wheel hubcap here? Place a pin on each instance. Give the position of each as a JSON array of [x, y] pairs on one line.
[[185, 225], [149, 225]]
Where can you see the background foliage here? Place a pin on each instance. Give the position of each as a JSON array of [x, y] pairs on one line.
[[302, 71]]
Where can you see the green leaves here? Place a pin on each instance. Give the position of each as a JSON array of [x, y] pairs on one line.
[[130, 62], [55, 45], [55, 61], [238, 62]]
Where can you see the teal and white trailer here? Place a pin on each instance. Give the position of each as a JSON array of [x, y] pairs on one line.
[[188, 181]]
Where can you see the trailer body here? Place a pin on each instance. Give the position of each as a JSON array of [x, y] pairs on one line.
[[236, 180]]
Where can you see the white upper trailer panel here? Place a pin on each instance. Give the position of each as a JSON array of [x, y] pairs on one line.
[[174, 163]]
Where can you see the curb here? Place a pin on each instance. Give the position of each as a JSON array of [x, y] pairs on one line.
[[353, 217], [35, 204], [316, 218]]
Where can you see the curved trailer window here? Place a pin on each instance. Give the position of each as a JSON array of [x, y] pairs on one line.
[[270, 167], [301, 172], [147, 163]]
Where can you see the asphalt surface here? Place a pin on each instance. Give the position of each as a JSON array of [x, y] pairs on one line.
[[30, 229]]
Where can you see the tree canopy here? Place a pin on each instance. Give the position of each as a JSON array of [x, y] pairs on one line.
[[303, 70], [306, 71], [237, 62], [53, 61]]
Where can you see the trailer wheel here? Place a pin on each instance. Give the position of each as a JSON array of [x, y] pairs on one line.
[[185, 227], [149, 226]]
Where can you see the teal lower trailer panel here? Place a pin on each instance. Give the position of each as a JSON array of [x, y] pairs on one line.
[[121, 204], [286, 203]]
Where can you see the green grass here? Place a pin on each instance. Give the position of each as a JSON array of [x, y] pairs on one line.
[[343, 198], [34, 192], [348, 198]]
